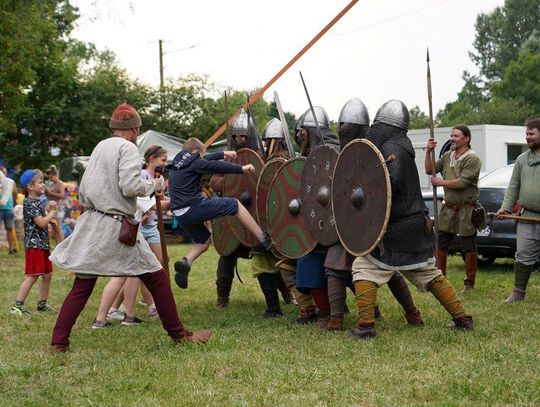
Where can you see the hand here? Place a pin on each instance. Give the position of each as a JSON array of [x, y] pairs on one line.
[[502, 212], [436, 182], [230, 154], [159, 184], [431, 144], [248, 168], [53, 206]]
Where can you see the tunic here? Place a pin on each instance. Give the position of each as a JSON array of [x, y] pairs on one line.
[[455, 215], [111, 184]]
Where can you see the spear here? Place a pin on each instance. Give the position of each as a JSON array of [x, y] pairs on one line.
[[432, 154]]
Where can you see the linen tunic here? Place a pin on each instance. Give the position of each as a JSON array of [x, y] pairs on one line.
[[111, 184], [466, 169]]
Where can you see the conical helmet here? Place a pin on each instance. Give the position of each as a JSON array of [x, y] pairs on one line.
[[322, 118], [355, 112], [273, 129], [395, 113], [241, 126]]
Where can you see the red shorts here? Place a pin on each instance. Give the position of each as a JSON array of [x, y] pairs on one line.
[[37, 262]]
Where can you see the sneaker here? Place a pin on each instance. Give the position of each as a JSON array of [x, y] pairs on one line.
[[115, 315], [20, 311], [44, 307], [182, 269], [101, 325], [152, 312], [12, 251], [142, 302], [131, 321]]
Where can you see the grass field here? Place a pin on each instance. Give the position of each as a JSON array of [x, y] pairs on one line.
[[254, 362]]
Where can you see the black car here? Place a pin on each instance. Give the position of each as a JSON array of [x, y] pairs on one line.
[[498, 239]]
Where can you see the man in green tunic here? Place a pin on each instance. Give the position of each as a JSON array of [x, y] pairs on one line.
[[524, 187], [460, 169]]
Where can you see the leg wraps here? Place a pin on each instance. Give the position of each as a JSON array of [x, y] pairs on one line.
[[225, 275], [336, 295], [470, 268], [402, 293], [522, 273], [366, 297], [446, 294], [269, 289]]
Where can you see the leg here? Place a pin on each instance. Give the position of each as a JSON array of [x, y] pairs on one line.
[[183, 267], [131, 287], [446, 294], [10, 239], [160, 287], [25, 287], [308, 310], [285, 292], [45, 286], [471, 257], [110, 292], [224, 279], [72, 307], [269, 289], [401, 292], [522, 272], [247, 220], [156, 249], [336, 296], [444, 241]]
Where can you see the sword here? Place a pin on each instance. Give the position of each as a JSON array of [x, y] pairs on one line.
[[257, 135], [312, 110], [284, 126], [432, 155]]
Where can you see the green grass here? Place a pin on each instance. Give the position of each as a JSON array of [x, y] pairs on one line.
[[254, 362]]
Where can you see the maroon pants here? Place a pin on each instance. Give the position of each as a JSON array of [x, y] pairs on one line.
[[158, 284]]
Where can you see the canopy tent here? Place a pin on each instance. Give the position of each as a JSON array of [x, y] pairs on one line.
[[172, 144]]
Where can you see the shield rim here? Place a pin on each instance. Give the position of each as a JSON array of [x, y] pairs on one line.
[[273, 160], [286, 255], [225, 226], [388, 198]]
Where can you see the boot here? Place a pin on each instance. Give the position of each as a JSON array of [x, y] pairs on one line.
[[363, 331], [517, 295], [366, 297], [307, 316], [320, 296], [268, 285], [378, 315], [222, 302], [336, 295], [285, 292], [446, 294], [441, 260], [522, 272], [199, 338], [334, 324], [401, 292], [470, 269], [464, 323]]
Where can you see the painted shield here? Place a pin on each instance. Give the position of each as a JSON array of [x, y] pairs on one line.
[[244, 188], [316, 194], [223, 238], [284, 212], [361, 197], [263, 188]]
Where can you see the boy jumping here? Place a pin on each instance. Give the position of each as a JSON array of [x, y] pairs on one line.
[[192, 209]]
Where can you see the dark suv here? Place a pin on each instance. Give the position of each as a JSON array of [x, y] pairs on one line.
[[498, 239]]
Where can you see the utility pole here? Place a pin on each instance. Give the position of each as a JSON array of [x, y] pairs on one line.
[[161, 81]]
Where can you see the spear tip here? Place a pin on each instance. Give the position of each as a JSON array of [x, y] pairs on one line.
[[427, 58]]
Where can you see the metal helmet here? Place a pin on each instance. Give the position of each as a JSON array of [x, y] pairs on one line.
[[273, 129], [322, 118], [299, 122], [241, 126], [395, 113], [355, 112]]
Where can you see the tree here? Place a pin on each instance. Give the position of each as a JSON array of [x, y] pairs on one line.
[[501, 34], [418, 119]]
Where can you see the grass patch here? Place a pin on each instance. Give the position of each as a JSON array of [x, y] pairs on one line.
[[250, 361]]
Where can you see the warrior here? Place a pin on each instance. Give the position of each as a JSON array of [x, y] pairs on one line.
[[242, 134], [354, 124], [407, 245]]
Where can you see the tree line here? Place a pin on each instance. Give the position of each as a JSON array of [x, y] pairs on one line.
[[57, 93]]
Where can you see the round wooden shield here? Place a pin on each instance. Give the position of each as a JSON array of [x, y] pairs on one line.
[[244, 188], [224, 240], [263, 186], [284, 211], [316, 194], [361, 197]]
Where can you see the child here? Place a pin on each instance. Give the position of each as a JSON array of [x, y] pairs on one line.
[[191, 209], [36, 243]]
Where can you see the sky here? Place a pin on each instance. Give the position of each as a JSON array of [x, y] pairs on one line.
[[376, 52]]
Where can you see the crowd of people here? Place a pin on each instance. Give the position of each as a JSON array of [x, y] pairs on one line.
[[117, 195]]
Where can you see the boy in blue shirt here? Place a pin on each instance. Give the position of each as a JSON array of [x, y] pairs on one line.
[[192, 209]]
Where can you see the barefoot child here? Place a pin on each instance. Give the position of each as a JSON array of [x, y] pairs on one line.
[[192, 209], [36, 243]]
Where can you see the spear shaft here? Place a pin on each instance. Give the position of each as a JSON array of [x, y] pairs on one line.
[[432, 154]]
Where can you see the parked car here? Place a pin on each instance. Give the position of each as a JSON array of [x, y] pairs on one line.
[[498, 239]]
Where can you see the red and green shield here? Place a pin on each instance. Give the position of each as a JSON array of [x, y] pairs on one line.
[[284, 211], [224, 240], [244, 188]]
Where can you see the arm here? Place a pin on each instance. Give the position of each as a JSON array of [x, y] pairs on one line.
[[512, 192], [129, 173], [470, 172], [215, 156], [431, 144], [4, 189], [43, 221], [217, 167]]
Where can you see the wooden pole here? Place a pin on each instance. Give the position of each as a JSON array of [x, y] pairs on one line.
[[432, 156], [161, 228], [261, 91]]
